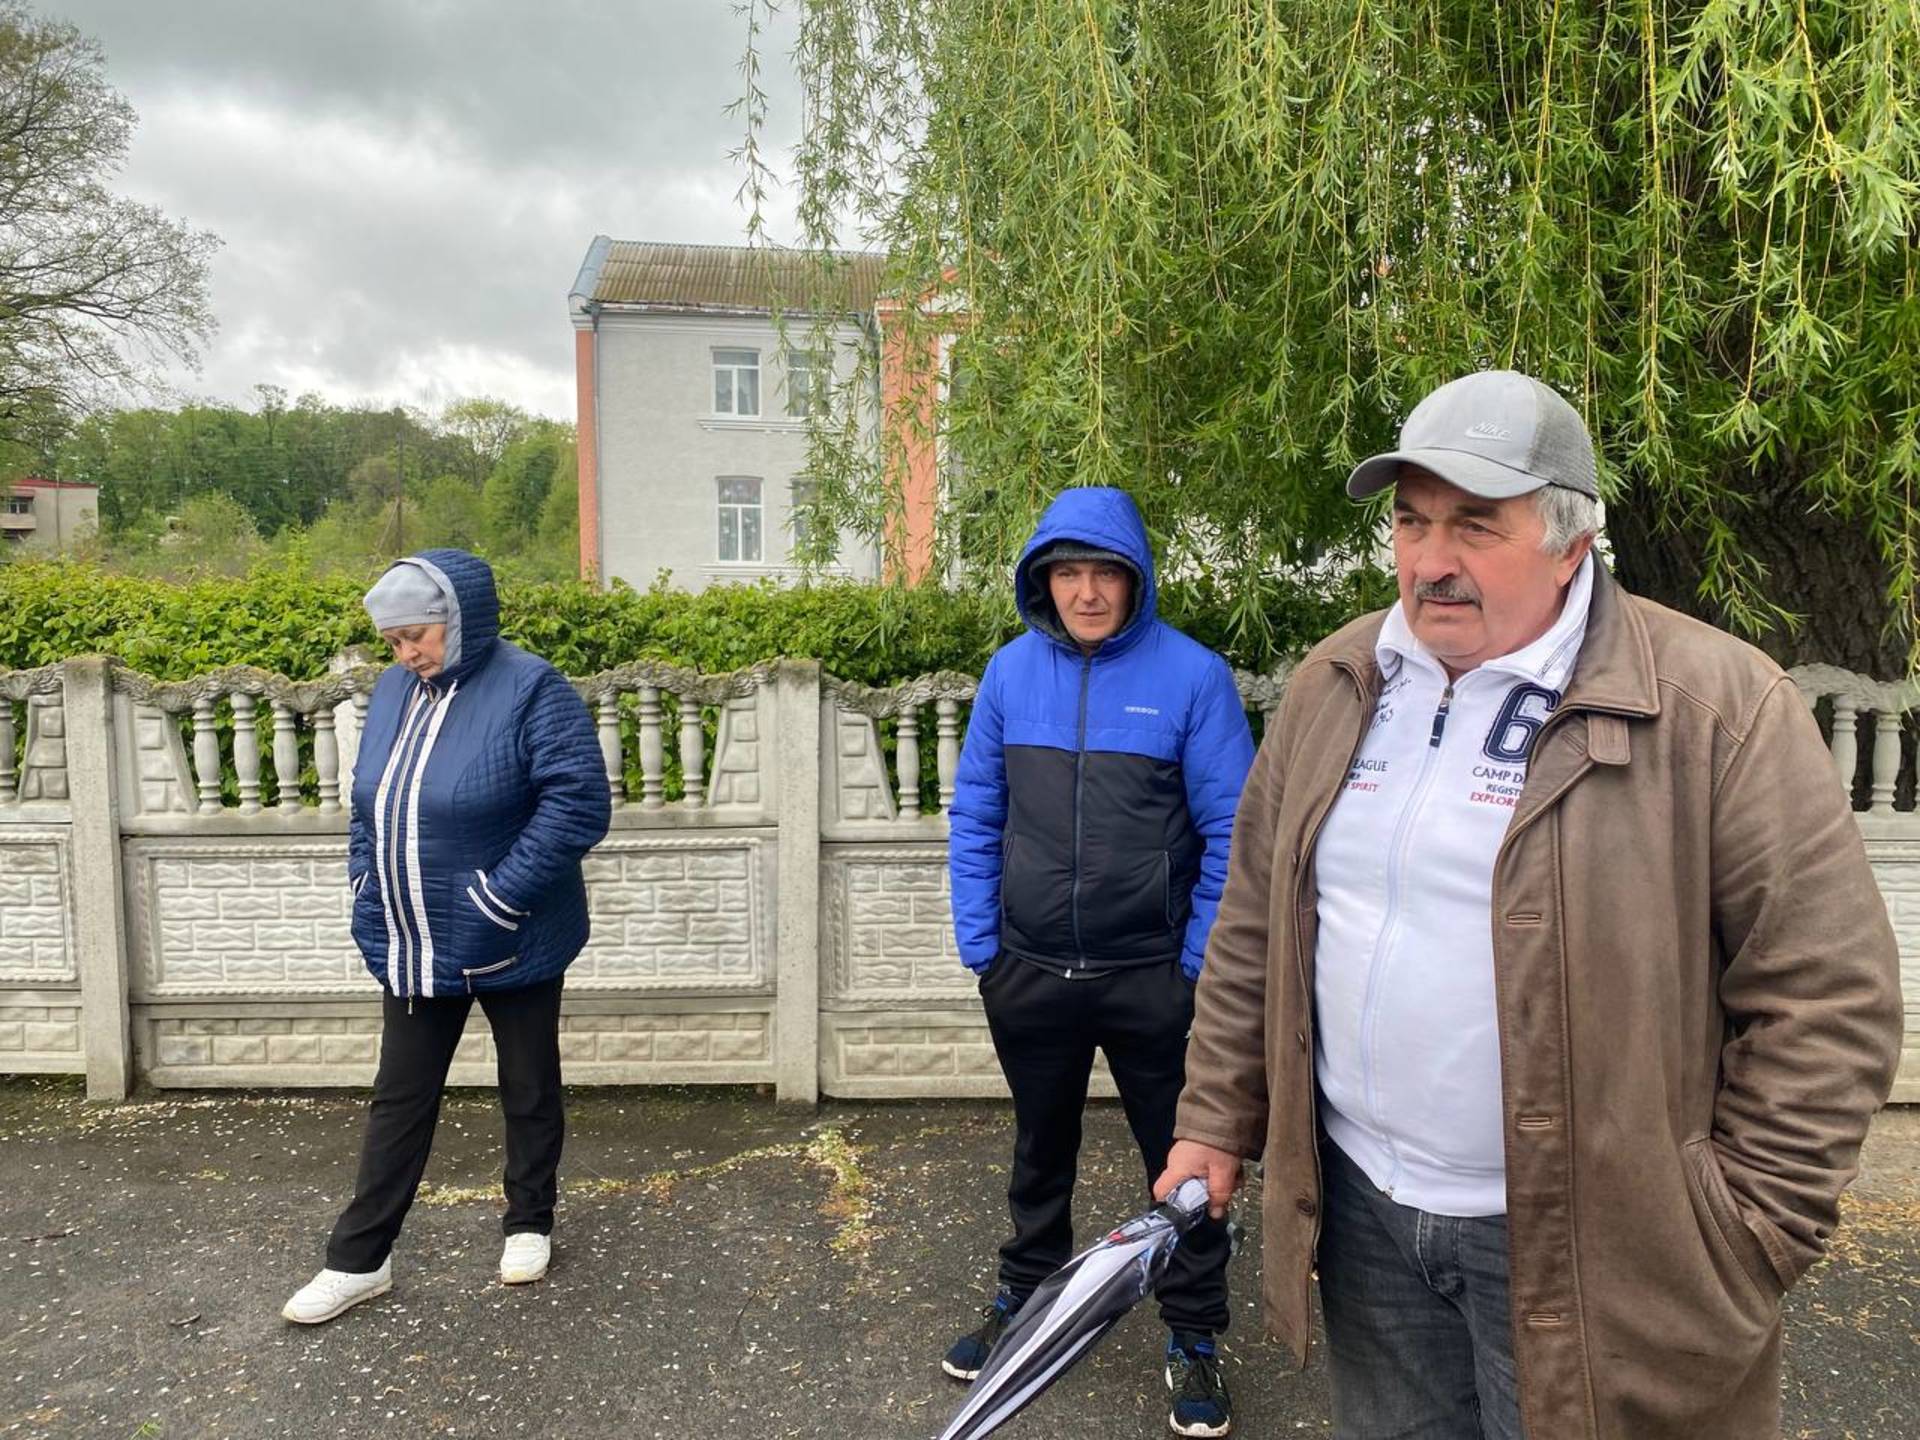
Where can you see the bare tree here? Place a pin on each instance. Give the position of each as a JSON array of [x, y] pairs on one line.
[[94, 288]]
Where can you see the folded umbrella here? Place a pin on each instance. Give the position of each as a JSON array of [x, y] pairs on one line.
[[1073, 1308]]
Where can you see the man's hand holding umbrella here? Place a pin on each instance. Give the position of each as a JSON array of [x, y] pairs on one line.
[[1219, 1168]]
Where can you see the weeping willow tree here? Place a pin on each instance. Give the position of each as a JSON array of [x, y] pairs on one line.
[[1214, 250]]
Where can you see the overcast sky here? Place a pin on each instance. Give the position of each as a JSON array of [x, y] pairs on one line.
[[406, 188]]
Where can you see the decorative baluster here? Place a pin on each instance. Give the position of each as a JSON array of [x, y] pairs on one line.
[[693, 751], [653, 760], [908, 758], [206, 757], [947, 750], [1886, 759], [246, 754], [326, 759], [286, 757], [610, 756], [1845, 744], [9, 777]]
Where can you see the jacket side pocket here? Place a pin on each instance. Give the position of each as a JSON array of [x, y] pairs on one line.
[[488, 908], [1723, 1213], [1006, 872]]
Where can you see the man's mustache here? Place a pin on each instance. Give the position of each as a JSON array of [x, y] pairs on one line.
[[1443, 590]]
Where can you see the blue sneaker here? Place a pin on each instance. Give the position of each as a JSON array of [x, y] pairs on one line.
[[970, 1351], [1201, 1404]]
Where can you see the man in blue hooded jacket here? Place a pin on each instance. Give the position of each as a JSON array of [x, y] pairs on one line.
[[1090, 824]]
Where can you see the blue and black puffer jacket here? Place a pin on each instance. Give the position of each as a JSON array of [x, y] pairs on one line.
[[475, 795], [1094, 802]]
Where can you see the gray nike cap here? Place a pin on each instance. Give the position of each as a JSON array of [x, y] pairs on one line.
[[1494, 434]]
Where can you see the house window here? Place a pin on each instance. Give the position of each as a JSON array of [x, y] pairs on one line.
[[809, 382], [801, 498], [740, 518], [19, 504], [736, 382]]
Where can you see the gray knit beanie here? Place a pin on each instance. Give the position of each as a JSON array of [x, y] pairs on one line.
[[406, 595]]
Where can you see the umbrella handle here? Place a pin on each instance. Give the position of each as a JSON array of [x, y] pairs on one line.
[[1186, 1203]]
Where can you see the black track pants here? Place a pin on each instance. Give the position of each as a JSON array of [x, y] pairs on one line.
[[1045, 1029], [416, 1049]]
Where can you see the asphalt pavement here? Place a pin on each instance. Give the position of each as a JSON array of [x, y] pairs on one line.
[[722, 1267]]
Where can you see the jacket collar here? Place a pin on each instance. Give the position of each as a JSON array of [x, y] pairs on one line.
[[1614, 674]]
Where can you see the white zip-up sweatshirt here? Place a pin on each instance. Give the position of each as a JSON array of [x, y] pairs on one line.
[[1408, 1054]]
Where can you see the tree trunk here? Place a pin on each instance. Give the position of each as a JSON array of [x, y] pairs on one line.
[[1820, 566]]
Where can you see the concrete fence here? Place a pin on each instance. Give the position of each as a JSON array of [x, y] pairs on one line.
[[770, 905]]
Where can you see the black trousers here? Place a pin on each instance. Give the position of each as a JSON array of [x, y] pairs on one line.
[[416, 1049], [1045, 1030]]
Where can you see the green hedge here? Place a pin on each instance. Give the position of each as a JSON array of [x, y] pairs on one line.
[[294, 623]]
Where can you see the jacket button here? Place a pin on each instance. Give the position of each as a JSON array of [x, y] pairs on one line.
[[1305, 1206], [1301, 1036]]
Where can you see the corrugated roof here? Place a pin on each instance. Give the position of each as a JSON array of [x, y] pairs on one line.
[[732, 277]]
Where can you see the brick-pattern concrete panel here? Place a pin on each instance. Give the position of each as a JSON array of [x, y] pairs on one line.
[[320, 1050], [938, 1047], [860, 784], [39, 1033], [243, 919], [918, 1053], [43, 772], [35, 925], [735, 782], [676, 914], [890, 926], [1896, 865], [700, 1039], [260, 1044], [154, 779]]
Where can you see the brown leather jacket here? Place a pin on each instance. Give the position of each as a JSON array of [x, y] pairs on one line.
[[1699, 1011]]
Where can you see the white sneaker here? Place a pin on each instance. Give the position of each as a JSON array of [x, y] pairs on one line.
[[333, 1292], [525, 1258]]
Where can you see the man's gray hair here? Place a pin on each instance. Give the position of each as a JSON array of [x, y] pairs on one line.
[[1568, 515]]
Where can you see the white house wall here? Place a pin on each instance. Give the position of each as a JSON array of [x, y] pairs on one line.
[[662, 449]]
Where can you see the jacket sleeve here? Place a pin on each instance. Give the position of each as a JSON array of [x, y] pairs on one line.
[[572, 803], [1213, 763], [359, 824], [977, 819], [1224, 1103], [1810, 985]]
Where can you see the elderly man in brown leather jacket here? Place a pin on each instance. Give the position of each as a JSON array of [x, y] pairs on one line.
[[1550, 979]]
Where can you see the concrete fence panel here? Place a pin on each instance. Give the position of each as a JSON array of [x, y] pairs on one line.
[[769, 907]]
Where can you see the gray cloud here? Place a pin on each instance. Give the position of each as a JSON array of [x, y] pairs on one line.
[[406, 189]]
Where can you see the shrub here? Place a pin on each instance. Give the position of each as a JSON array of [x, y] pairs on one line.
[[285, 619]]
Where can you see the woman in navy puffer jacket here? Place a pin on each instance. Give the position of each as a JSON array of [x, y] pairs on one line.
[[479, 787]]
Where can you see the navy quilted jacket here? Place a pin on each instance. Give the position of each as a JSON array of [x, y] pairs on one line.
[[475, 795], [1093, 807]]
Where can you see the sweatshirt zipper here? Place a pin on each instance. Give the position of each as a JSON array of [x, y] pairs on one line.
[[1079, 780], [1384, 947], [1369, 698], [409, 982], [396, 806]]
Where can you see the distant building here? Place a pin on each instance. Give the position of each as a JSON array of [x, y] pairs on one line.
[[693, 410], [48, 516]]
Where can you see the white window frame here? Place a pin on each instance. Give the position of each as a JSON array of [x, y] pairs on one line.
[[731, 372], [737, 511], [19, 505]]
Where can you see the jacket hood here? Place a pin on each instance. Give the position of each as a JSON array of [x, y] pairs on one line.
[[1104, 519], [473, 619]]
